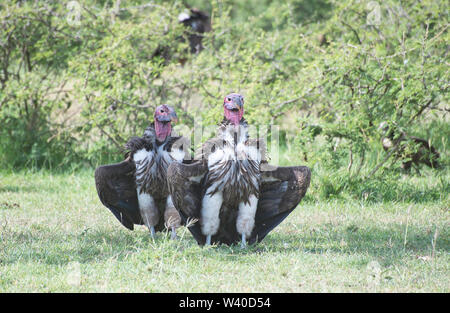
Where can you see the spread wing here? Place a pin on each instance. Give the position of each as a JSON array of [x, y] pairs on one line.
[[185, 186], [117, 191], [281, 190]]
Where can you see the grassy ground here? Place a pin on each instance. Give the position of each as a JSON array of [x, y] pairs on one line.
[[57, 237]]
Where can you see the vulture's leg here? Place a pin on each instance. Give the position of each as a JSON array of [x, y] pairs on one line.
[[149, 211], [173, 234], [172, 218], [243, 241], [246, 218], [210, 221]]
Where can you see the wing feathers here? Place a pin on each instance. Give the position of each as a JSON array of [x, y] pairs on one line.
[[281, 190], [116, 190]]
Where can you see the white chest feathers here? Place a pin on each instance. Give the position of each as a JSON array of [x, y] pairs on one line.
[[153, 162], [236, 147]]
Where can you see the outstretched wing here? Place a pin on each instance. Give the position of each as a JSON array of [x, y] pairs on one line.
[[281, 190], [185, 186], [117, 191]]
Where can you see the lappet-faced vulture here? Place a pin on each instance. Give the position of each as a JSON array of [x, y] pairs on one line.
[[136, 189], [230, 190], [198, 23]]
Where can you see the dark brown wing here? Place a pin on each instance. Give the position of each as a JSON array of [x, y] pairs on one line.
[[185, 186], [281, 190], [117, 191]]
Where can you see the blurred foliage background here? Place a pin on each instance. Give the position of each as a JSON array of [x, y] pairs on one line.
[[78, 78]]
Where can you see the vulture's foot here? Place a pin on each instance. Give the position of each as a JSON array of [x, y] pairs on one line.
[[243, 242]]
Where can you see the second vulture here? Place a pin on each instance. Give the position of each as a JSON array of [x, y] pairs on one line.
[[231, 190]]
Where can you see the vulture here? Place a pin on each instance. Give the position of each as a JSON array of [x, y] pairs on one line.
[[135, 190], [424, 153], [198, 22], [233, 193]]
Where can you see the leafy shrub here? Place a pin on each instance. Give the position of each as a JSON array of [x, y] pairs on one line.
[[33, 54], [328, 72]]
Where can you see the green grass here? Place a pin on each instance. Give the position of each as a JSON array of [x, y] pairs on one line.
[[57, 237]]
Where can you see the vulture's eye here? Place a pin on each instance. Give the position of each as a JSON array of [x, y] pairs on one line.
[[162, 111], [228, 99]]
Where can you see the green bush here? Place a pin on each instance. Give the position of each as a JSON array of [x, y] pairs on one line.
[[77, 82], [34, 51]]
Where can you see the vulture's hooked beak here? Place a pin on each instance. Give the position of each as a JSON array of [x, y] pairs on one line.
[[233, 106], [173, 116]]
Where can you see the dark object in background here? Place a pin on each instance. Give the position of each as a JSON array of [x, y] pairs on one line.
[[425, 153], [199, 23], [322, 39]]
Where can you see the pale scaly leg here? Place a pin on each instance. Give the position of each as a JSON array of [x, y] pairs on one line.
[[172, 218], [149, 212], [208, 240], [246, 219], [243, 241], [210, 221], [152, 231], [173, 234]]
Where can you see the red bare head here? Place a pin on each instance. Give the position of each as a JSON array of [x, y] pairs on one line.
[[164, 116], [233, 106]]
